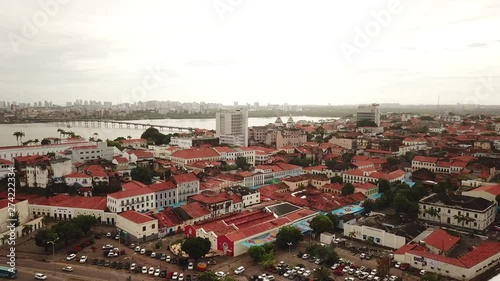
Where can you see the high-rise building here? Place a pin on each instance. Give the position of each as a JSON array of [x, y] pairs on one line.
[[369, 112], [232, 127]]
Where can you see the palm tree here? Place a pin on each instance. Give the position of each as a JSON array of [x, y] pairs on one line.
[[61, 132], [57, 140], [4, 237], [27, 228], [21, 135], [44, 220], [36, 141], [352, 234], [433, 213], [17, 135], [129, 137]]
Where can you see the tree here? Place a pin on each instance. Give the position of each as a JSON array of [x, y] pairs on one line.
[[268, 259], [27, 229], [85, 222], [256, 253], [142, 174], [207, 276], [347, 157], [498, 199], [241, 163], [322, 274], [400, 203], [288, 234], [196, 247], [43, 236], [413, 210], [45, 141], [384, 265], [337, 179], [168, 174], [19, 136], [383, 186], [321, 223], [67, 230], [347, 189], [369, 205], [152, 134], [429, 276], [334, 219]]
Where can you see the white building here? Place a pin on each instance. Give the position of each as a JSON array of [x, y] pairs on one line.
[[369, 112], [182, 142], [65, 207], [473, 263], [91, 152], [139, 199], [232, 127], [6, 167], [137, 227], [81, 179], [230, 154], [458, 210], [187, 185], [7, 206], [9, 152], [165, 193]]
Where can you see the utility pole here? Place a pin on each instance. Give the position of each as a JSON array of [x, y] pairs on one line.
[[54, 252]]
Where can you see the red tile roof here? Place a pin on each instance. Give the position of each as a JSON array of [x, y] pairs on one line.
[[6, 162], [493, 189], [167, 218], [210, 198], [61, 200], [366, 185], [120, 159], [182, 178], [136, 217], [132, 185], [425, 159], [194, 153], [4, 203], [160, 186], [481, 253], [195, 210], [441, 239], [134, 140], [409, 247], [130, 193], [256, 229]]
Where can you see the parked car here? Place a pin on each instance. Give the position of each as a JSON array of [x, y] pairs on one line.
[[138, 249], [163, 273], [108, 234], [71, 257], [397, 265], [239, 270], [181, 277], [175, 275], [151, 271], [142, 251], [153, 254], [107, 263], [101, 262], [157, 272], [163, 257], [144, 269], [306, 256], [83, 259], [67, 269], [107, 247], [133, 266], [423, 272], [167, 259], [362, 256], [404, 266], [190, 265]]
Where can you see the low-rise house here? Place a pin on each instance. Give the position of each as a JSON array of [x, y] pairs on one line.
[[137, 227]]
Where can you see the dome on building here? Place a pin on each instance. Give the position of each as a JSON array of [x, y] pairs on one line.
[[278, 121], [290, 120]]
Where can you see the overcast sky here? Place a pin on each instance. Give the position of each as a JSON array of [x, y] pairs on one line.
[[267, 51]]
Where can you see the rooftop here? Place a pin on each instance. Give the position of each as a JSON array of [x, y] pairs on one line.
[[136, 217], [458, 201], [441, 239], [130, 193]]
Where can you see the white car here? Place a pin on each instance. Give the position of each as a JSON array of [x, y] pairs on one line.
[[107, 246], [167, 259], [137, 248], [67, 269], [40, 276], [376, 278], [370, 277], [363, 275], [83, 259], [112, 254], [393, 278], [108, 234], [220, 274], [334, 266], [349, 279], [398, 265], [351, 271], [151, 271], [153, 255], [374, 272], [143, 251], [239, 270], [305, 256], [157, 272], [307, 273], [286, 274], [71, 257], [358, 273], [117, 237], [181, 277], [144, 269], [175, 275], [190, 266], [423, 272], [133, 266], [362, 256], [345, 269]]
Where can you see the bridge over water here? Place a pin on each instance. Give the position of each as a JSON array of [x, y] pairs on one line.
[[97, 123]]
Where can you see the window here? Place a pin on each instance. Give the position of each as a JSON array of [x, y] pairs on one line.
[[152, 226], [143, 228]]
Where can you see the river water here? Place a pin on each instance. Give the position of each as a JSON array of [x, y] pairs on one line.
[[43, 130]]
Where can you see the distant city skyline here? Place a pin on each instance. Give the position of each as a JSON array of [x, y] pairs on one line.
[[329, 52]]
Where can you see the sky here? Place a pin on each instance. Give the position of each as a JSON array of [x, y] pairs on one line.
[[280, 51]]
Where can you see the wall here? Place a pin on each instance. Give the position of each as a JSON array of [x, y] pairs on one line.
[[386, 239]]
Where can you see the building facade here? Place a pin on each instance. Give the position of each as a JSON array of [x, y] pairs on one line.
[[232, 127]]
